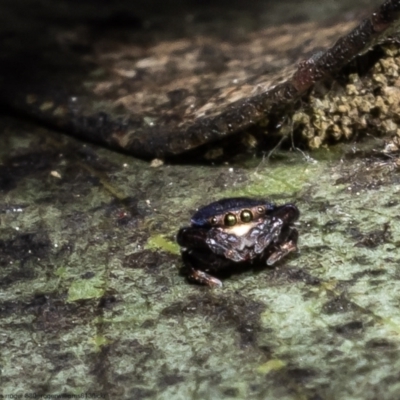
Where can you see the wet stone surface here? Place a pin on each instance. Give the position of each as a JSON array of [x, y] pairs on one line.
[[92, 300]]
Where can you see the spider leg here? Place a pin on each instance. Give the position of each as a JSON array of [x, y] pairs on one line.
[[196, 275], [287, 246]]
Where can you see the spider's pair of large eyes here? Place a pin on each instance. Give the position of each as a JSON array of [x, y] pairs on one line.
[[231, 220], [245, 216]]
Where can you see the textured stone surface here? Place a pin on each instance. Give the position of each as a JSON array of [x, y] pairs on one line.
[[160, 84], [91, 298]]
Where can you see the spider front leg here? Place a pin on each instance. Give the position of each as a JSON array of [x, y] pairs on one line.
[[287, 244], [198, 264]]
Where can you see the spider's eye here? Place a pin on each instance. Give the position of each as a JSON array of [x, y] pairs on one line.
[[246, 216], [214, 221], [230, 220], [261, 210]]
